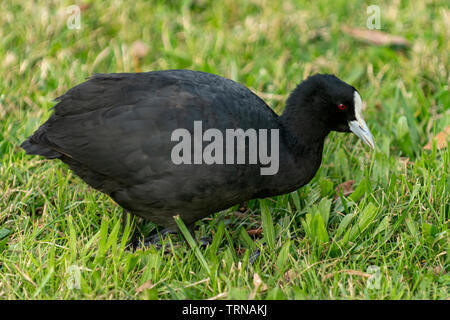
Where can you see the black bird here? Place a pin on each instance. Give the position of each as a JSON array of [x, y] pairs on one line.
[[118, 133]]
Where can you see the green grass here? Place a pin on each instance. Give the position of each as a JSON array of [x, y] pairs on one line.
[[389, 239]]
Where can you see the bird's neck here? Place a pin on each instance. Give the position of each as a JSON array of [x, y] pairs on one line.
[[301, 155], [301, 149], [302, 131]]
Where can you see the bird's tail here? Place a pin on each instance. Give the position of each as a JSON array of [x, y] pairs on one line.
[[33, 148]]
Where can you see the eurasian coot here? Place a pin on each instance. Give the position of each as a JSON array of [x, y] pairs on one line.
[[191, 143]]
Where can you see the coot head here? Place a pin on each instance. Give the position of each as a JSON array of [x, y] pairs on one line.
[[329, 104]]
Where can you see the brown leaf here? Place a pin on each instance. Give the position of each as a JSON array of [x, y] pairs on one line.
[[347, 187], [403, 163], [257, 283], [441, 140], [376, 37], [379, 106], [84, 6], [238, 214], [255, 232], [139, 49], [243, 209], [147, 285], [256, 280], [290, 275]]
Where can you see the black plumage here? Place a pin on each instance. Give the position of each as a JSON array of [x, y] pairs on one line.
[[114, 131]]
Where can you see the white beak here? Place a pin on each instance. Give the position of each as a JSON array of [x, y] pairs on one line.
[[359, 126]]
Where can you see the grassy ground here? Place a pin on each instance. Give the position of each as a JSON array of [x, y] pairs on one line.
[[388, 239]]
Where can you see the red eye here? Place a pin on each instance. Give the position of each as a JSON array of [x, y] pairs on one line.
[[342, 107]]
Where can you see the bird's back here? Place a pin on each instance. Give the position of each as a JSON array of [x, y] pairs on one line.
[[114, 131]]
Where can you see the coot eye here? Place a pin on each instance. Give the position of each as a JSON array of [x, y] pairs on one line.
[[342, 106]]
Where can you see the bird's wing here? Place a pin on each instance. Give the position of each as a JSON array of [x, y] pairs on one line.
[[108, 90], [120, 125]]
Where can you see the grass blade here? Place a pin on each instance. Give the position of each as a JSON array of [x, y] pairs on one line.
[[267, 225], [187, 235]]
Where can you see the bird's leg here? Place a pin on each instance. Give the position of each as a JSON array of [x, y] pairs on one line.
[[254, 255], [156, 236], [204, 241]]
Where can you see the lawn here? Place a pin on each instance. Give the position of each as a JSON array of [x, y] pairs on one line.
[[384, 235]]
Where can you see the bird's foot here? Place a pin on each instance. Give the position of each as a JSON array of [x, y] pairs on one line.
[[156, 237], [205, 241], [254, 256]]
